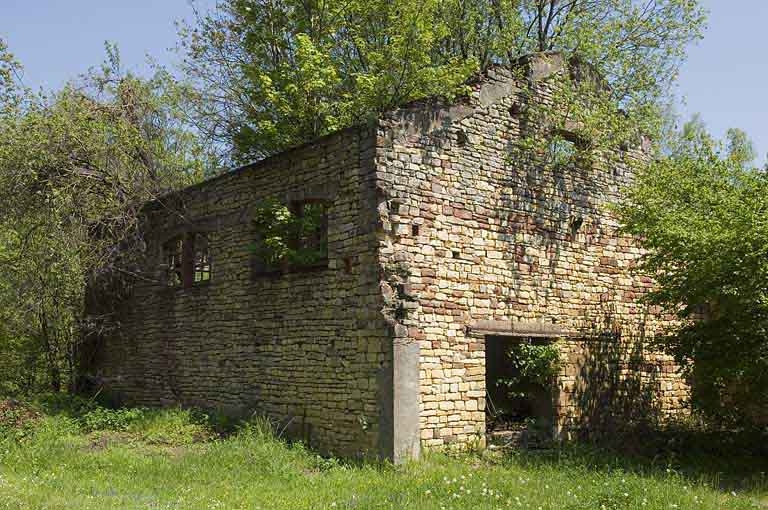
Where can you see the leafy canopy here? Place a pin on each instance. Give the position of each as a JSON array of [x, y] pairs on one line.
[[702, 211], [76, 166], [270, 74]]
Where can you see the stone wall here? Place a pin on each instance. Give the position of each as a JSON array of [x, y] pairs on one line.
[[485, 241], [437, 242], [309, 349]]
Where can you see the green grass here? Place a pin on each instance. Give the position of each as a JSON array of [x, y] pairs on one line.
[[172, 460]]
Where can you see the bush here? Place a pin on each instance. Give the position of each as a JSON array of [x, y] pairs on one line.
[[534, 365], [65, 403], [700, 213], [118, 420], [17, 420]]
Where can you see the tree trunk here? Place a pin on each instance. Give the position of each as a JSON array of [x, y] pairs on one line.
[[54, 373]]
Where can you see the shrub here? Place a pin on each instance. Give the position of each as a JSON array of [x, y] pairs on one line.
[[17, 420], [173, 427], [701, 214], [118, 420], [534, 365]]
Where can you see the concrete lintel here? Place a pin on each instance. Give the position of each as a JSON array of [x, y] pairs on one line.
[[536, 329]]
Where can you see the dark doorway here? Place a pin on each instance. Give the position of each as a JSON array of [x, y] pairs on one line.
[[516, 413]]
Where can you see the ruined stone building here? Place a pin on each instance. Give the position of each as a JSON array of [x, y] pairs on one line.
[[437, 254]]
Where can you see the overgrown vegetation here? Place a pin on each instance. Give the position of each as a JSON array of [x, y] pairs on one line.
[[270, 75], [76, 167], [703, 214], [70, 460], [528, 384], [289, 237], [534, 365]]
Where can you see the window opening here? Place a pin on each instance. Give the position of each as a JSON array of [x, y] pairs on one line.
[[173, 251], [187, 260], [561, 151], [202, 263], [311, 242]]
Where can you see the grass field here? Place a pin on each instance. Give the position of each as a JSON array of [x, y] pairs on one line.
[[173, 459]]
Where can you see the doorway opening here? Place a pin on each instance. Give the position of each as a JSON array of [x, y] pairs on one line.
[[520, 396]]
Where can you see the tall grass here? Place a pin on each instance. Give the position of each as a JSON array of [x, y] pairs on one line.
[[174, 459]]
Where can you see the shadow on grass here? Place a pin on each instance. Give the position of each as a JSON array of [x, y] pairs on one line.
[[723, 460]]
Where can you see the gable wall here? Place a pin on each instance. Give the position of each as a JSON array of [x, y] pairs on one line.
[[493, 247]]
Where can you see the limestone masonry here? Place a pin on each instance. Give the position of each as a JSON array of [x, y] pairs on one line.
[[437, 245]]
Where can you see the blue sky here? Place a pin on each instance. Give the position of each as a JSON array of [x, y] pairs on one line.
[[724, 79], [726, 76]]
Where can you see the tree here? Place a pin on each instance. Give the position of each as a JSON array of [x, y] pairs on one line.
[[9, 84], [76, 167], [270, 74], [702, 214]]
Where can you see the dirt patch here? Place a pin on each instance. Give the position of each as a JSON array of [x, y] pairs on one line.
[[103, 440], [98, 441]]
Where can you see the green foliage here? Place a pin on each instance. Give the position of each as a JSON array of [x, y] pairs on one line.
[[112, 419], [75, 168], [701, 211], [562, 152], [160, 427], [10, 90], [269, 75], [274, 74], [534, 366], [739, 147], [17, 420], [280, 234], [173, 427], [170, 427]]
